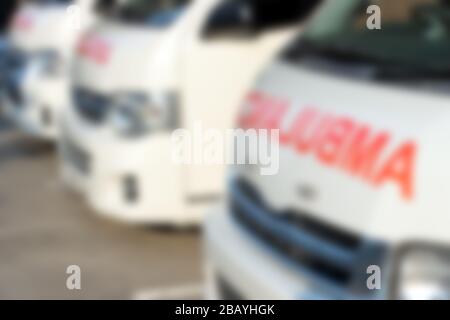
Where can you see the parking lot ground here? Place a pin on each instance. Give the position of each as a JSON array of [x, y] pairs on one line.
[[44, 229]]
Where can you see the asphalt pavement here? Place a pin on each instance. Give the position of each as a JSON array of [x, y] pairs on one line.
[[44, 228]]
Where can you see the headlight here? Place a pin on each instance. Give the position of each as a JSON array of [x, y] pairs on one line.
[[137, 114], [423, 273]]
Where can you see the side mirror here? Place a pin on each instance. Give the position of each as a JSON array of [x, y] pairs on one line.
[[231, 19]]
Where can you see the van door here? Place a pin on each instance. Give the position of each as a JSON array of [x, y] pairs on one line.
[[221, 62]]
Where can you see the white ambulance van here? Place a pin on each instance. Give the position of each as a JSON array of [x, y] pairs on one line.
[[41, 40], [153, 67], [359, 208]]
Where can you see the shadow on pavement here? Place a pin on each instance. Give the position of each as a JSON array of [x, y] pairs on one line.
[[14, 146], [4, 125]]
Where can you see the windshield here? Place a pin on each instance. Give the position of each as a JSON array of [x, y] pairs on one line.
[[155, 13], [414, 37], [49, 1]]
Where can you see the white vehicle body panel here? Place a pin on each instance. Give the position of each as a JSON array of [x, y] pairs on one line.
[[379, 211], [176, 60], [415, 116]]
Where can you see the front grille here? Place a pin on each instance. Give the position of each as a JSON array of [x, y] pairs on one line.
[[16, 64], [92, 106], [332, 256], [14, 92], [76, 157]]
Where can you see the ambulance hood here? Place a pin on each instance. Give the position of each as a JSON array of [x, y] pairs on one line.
[[116, 57], [366, 157], [41, 27]]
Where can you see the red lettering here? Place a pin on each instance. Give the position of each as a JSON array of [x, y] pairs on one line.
[[275, 115], [333, 141], [339, 142], [262, 112], [399, 169], [306, 116], [22, 22], [252, 111], [95, 48], [307, 140], [363, 152]]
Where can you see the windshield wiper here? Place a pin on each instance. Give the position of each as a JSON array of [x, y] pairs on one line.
[[340, 53], [402, 73], [382, 68]]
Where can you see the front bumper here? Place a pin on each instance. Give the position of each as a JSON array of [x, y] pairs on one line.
[[34, 103], [239, 266], [131, 180]]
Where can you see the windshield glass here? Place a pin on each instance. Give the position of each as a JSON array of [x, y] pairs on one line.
[[414, 35], [155, 13], [49, 1]]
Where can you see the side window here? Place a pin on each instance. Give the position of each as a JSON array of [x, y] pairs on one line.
[[239, 18], [275, 13], [105, 7], [232, 18]]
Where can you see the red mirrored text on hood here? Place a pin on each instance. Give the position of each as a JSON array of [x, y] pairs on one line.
[[94, 48], [23, 21], [337, 141]]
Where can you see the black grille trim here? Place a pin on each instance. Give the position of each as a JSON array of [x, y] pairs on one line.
[[332, 271]]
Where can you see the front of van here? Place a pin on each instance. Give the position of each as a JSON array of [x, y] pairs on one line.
[[358, 208], [116, 141], [42, 36]]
